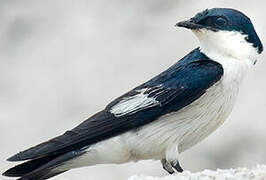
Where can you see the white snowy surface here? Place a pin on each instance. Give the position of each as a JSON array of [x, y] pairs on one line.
[[62, 61], [256, 173]]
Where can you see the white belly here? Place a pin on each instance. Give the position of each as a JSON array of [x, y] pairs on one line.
[[185, 127], [191, 124]]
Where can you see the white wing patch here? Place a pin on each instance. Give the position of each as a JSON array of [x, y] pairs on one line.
[[128, 105]]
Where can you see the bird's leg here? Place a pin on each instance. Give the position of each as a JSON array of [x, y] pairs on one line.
[[167, 166], [175, 164], [172, 158]]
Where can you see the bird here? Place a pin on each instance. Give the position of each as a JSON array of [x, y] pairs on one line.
[[164, 116]]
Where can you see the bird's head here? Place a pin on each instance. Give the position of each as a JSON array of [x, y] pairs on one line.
[[225, 31]]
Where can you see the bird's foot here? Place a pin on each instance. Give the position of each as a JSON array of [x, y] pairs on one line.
[[175, 164], [171, 166], [167, 166]]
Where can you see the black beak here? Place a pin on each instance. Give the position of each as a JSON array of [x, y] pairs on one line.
[[189, 25]]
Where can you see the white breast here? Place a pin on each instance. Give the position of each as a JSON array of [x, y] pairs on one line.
[[193, 123]]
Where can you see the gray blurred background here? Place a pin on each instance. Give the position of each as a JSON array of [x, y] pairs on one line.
[[63, 60]]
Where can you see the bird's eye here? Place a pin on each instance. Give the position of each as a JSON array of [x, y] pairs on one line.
[[221, 21]]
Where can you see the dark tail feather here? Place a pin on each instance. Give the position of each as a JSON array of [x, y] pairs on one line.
[[28, 166], [41, 168]]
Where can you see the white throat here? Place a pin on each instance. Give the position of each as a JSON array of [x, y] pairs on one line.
[[226, 44]]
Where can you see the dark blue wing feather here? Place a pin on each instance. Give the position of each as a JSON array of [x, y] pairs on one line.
[[174, 89]]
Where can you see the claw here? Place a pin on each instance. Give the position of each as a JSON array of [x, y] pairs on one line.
[[167, 166], [175, 164]]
